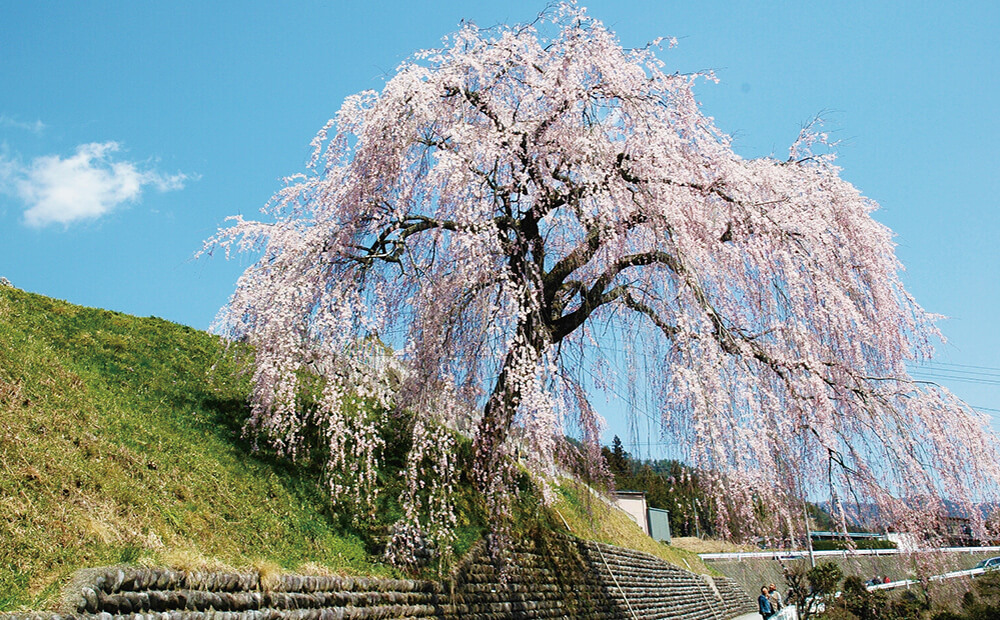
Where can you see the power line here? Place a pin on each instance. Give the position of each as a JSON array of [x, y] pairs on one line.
[[958, 376], [930, 370], [652, 418], [933, 363], [918, 374], [958, 372], [637, 409]]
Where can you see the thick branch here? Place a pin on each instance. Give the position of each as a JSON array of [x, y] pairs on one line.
[[390, 244], [580, 256], [595, 296], [631, 302], [634, 260], [566, 324]]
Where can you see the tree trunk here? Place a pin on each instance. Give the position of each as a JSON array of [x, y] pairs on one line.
[[498, 414], [491, 435]]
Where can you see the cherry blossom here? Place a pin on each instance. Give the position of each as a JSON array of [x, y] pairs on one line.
[[519, 202]]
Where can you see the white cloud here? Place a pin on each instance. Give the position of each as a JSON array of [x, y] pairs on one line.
[[34, 127], [86, 185]]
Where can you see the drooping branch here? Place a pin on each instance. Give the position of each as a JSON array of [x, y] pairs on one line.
[[597, 294], [389, 248], [580, 255], [544, 178], [670, 331], [390, 245]]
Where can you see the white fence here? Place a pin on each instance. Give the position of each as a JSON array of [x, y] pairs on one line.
[[788, 612], [797, 554], [906, 583]]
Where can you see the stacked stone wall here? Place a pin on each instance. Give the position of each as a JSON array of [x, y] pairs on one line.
[[554, 577], [752, 573]]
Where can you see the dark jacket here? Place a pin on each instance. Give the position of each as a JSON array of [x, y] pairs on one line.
[[764, 605]]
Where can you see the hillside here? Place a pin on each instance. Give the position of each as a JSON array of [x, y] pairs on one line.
[[120, 442]]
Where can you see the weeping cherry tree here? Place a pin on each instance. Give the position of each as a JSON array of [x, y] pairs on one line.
[[511, 203]]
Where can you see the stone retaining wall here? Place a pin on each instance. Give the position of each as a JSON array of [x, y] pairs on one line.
[[558, 577], [752, 573]]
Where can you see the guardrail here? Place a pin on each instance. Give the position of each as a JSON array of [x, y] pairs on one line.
[[796, 554], [906, 583], [789, 612]]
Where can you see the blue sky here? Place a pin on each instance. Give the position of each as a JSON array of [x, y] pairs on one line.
[[129, 131]]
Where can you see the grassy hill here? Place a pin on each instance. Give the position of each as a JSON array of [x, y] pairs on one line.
[[120, 442]]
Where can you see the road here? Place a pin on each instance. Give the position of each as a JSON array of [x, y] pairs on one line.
[[788, 613]]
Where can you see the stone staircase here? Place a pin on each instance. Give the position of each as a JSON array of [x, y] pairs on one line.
[[651, 588]]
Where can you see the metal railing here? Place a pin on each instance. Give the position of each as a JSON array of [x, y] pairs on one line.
[[803, 553], [906, 583]]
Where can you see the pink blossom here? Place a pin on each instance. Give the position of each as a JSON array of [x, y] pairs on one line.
[[523, 197]]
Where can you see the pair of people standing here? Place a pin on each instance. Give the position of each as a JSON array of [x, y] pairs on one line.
[[769, 601]]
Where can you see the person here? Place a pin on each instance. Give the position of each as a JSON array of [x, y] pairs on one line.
[[775, 596], [764, 604]]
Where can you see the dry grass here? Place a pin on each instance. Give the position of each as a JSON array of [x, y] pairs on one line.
[[190, 560], [590, 517], [312, 568], [269, 573], [708, 545]]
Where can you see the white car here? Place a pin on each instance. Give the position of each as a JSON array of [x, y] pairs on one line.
[[990, 564]]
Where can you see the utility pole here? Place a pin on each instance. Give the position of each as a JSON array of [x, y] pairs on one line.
[[809, 539]]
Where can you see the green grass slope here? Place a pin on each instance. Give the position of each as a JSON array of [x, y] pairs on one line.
[[120, 442]]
